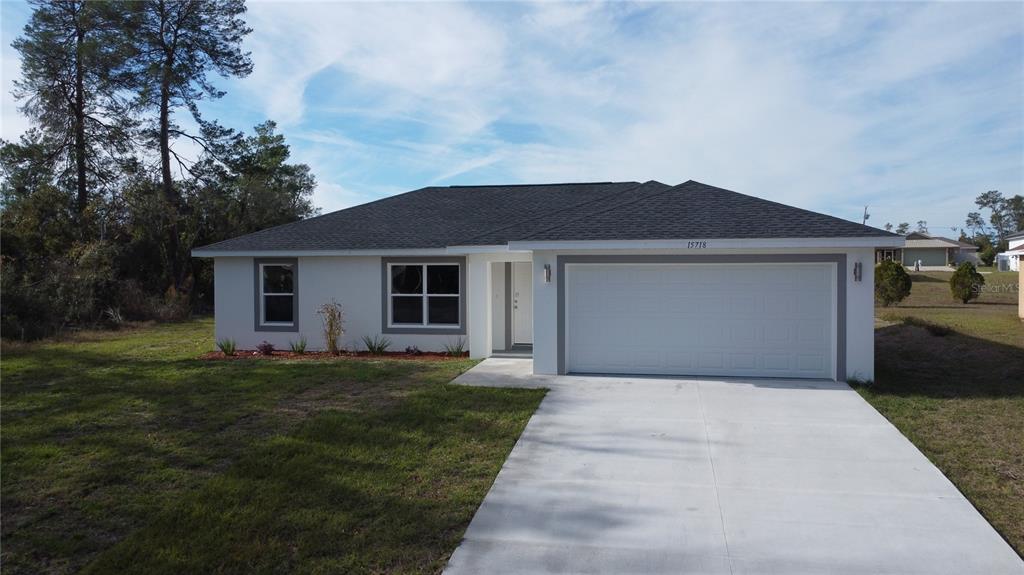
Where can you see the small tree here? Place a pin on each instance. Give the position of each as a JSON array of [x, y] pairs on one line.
[[333, 318], [966, 282], [892, 283]]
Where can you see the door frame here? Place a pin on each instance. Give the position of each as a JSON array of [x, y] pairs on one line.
[[839, 295]]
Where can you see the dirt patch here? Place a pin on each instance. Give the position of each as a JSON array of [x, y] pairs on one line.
[[247, 354]]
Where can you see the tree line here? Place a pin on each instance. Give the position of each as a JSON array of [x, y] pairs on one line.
[[1005, 216], [99, 204]]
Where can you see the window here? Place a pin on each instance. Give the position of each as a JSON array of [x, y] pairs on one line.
[[424, 295], [277, 294]]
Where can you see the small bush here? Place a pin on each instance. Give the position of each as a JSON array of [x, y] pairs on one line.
[[455, 347], [858, 381], [413, 350], [226, 346], [966, 283], [892, 283], [377, 344], [265, 348], [333, 319], [114, 316], [298, 347]]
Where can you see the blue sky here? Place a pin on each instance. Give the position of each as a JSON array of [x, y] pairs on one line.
[[913, 108]]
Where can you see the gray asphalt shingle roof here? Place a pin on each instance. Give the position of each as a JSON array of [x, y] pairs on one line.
[[438, 217]]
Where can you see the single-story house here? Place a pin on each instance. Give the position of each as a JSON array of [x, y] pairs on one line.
[[612, 277], [930, 251], [1010, 259]]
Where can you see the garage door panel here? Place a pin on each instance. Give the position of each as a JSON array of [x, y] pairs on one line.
[[742, 319]]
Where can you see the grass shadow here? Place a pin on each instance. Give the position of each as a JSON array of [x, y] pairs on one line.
[[912, 359]]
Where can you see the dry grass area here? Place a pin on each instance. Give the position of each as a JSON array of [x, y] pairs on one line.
[[951, 377]]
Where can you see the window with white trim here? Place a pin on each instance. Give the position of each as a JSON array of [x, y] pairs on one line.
[[424, 295], [277, 294]]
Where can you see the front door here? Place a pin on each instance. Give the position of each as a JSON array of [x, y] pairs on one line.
[[522, 302]]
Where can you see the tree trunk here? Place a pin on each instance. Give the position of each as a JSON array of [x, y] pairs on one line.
[[82, 199], [170, 194]]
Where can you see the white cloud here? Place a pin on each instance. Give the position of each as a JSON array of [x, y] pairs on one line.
[[913, 108]]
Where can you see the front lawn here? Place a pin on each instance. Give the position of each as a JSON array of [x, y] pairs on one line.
[[123, 452], [958, 393]]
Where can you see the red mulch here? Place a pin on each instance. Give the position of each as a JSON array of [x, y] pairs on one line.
[[253, 354]]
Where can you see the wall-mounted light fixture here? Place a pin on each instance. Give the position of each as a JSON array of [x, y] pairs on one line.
[[547, 273], [858, 271]]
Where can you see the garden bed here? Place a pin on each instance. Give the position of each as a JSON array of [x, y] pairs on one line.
[[245, 354]]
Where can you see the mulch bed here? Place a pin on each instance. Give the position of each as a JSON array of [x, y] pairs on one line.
[[244, 354]]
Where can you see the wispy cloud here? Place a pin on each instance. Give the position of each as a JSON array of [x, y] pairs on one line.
[[912, 108]]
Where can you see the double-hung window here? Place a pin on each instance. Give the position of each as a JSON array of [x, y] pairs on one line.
[[424, 295], [276, 295]]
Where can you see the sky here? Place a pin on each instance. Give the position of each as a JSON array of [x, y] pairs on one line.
[[912, 109]]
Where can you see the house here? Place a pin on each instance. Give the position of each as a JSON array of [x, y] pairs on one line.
[[1010, 259], [613, 277], [930, 252]]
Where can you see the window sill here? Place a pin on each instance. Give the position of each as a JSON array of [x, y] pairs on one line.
[[277, 327], [425, 330]]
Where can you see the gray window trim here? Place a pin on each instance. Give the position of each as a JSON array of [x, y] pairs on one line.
[[435, 330], [838, 259], [258, 299]]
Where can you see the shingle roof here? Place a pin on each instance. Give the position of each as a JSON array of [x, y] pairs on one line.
[[434, 217], [438, 217], [696, 210]]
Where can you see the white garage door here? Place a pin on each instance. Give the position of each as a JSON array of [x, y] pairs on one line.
[[766, 320]]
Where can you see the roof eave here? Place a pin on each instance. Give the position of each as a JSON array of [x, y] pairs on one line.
[[698, 244]]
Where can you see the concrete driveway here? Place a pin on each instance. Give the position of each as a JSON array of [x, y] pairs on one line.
[[637, 475]]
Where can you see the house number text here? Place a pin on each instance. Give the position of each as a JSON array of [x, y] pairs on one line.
[[696, 245]]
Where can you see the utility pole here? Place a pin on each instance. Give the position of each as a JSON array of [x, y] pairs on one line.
[[866, 216]]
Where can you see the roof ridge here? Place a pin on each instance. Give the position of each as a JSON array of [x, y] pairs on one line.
[[609, 208], [549, 214], [536, 185]]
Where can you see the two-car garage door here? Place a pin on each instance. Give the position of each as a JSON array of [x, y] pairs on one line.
[[761, 320]]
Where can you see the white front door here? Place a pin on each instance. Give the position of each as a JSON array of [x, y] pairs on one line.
[[774, 320], [522, 302]]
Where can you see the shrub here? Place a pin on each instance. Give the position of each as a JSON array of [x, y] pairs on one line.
[[987, 255], [265, 348], [333, 319], [114, 316], [377, 344], [413, 350], [226, 346], [299, 346], [455, 347], [966, 282], [892, 283]]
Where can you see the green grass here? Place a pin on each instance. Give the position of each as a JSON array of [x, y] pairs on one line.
[[122, 452], [951, 378]]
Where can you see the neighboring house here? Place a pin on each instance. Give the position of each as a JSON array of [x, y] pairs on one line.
[[590, 278], [1010, 259], [930, 251]]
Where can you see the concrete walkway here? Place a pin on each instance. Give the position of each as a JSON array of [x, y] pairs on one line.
[[636, 475]]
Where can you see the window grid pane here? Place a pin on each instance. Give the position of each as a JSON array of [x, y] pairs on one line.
[[278, 309], [277, 279], [407, 310], [406, 279], [443, 310], [443, 279]]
